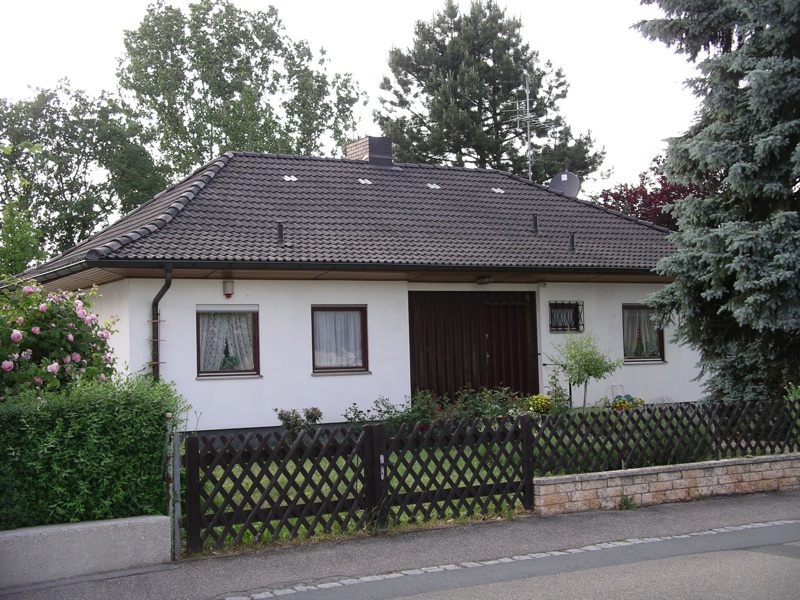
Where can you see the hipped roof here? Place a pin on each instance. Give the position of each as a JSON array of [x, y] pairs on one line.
[[247, 211]]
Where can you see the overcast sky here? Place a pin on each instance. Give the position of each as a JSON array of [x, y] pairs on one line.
[[628, 91]]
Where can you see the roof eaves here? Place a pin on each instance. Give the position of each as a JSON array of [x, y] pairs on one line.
[[209, 171]]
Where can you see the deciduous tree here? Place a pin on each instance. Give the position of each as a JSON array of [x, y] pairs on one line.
[[91, 163], [453, 98], [221, 78], [736, 292], [647, 199]]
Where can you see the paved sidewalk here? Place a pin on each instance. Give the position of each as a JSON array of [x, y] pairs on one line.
[[257, 574]]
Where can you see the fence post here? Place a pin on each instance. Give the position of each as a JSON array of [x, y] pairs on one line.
[[192, 494], [526, 423], [375, 475]]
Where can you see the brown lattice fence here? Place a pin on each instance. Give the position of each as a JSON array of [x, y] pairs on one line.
[[278, 486]]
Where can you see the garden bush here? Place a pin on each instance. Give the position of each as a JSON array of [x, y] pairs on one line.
[[92, 451], [48, 340]]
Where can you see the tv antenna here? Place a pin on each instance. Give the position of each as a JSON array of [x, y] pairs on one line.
[[524, 115]]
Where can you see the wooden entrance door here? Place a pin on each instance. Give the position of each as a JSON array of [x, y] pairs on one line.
[[476, 339]]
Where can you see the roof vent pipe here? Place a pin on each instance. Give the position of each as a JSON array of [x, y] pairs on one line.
[[572, 242], [280, 233], [535, 224]]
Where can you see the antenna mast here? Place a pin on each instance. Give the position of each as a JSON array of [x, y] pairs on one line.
[[524, 114]]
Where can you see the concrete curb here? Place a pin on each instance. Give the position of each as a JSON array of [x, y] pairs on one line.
[[48, 552]]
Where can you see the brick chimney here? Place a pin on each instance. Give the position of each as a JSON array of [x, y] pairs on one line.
[[375, 150]]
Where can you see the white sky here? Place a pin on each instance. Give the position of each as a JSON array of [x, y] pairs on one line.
[[628, 91]]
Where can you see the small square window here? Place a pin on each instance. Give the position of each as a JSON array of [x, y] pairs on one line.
[[642, 340], [227, 341], [566, 316], [339, 338]]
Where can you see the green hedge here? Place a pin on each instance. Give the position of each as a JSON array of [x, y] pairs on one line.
[[93, 451]]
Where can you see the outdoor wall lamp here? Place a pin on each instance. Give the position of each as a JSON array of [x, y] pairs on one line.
[[227, 288]]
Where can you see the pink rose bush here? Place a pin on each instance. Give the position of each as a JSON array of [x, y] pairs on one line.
[[61, 341]]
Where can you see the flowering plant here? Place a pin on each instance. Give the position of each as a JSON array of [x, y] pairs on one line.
[[293, 422], [621, 402], [539, 403], [50, 339]]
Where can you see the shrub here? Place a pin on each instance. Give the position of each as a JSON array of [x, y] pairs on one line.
[[539, 404], [91, 451], [621, 402], [48, 341], [294, 422]]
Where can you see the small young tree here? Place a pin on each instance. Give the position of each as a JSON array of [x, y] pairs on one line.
[[581, 360]]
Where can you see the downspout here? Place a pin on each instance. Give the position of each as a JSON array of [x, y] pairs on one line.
[[155, 322]]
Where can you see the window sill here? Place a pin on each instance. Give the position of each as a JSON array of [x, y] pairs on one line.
[[644, 361], [229, 376], [327, 373]]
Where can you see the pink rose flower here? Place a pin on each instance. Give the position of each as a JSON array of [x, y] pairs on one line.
[[20, 320], [7, 365], [43, 307], [81, 313], [16, 335], [76, 357], [27, 354], [67, 359], [52, 368], [34, 330], [89, 319], [101, 377], [37, 379], [103, 334], [28, 289]]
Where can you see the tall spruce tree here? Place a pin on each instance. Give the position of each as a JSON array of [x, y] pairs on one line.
[[453, 98], [736, 290]]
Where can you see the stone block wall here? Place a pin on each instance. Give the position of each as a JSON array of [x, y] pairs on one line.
[[673, 483]]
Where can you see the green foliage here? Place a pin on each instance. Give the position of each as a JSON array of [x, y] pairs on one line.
[[581, 361], [735, 288], [92, 161], [562, 403], [85, 453], [221, 78], [626, 502], [538, 403], [19, 237], [50, 340], [454, 93], [425, 406]]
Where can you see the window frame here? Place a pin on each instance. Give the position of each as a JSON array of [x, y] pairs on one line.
[[362, 310], [577, 308], [659, 332], [201, 309]]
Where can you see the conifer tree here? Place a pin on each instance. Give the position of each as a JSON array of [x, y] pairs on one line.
[[736, 290], [453, 98]]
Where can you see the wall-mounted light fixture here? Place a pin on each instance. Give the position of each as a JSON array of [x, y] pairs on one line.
[[483, 280], [227, 288]]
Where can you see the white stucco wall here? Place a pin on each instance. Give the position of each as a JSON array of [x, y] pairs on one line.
[[671, 380], [286, 379]]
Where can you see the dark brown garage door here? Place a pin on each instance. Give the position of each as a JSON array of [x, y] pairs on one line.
[[476, 339]]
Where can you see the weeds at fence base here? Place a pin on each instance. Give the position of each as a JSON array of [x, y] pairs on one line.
[[626, 502]]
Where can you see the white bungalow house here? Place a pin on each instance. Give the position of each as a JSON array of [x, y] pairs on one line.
[[268, 281]]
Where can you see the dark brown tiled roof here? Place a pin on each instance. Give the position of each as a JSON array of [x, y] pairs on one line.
[[349, 212]]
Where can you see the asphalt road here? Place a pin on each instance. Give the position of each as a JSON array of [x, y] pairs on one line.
[[725, 547]]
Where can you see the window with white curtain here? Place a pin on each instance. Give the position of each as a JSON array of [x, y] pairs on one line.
[[641, 339], [339, 338], [227, 340]]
